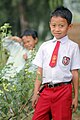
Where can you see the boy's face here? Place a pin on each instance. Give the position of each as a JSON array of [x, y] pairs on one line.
[[29, 42], [59, 27]]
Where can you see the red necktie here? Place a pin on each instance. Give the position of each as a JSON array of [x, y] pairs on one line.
[[53, 60]]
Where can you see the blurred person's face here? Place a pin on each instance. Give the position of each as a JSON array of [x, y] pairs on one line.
[[29, 42]]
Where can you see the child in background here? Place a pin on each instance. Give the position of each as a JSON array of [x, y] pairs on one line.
[[57, 71], [19, 49]]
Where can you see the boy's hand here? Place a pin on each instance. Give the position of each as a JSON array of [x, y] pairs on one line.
[[74, 104], [25, 56], [34, 100], [18, 39]]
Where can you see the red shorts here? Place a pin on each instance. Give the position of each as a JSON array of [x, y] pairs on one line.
[[54, 102]]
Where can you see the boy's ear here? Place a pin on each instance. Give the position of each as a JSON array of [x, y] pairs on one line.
[[70, 26], [36, 40]]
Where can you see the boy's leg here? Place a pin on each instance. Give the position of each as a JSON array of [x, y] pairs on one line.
[[42, 111], [61, 104]]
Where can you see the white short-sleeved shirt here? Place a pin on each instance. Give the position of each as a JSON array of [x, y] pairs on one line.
[[68, 59], [16, 52]]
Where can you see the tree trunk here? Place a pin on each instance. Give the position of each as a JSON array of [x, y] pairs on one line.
[[23, 21]]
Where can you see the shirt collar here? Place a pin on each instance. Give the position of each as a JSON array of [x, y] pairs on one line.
[[63, 40]]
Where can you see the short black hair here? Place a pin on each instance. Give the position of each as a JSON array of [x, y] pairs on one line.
[[62, 12], [30, 32]]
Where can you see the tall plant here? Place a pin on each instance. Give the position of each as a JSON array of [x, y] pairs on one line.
[[15, 95]]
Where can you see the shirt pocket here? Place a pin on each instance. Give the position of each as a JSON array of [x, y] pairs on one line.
[[64, 63]]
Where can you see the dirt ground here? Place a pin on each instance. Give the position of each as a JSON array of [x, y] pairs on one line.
[[76, 116], [74, 33]]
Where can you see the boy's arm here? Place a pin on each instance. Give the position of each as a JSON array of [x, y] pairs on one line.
[[15, 38], [37, 87], [8, 42], [75, 82]]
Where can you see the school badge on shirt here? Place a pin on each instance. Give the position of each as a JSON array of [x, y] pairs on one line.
[[66, 60]]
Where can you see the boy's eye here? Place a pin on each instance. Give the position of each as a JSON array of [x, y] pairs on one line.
[[57, 25], [53, 25], [61, 25]]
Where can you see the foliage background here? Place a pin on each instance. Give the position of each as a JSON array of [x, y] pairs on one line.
[[16, 93], [15, 100], [22, 14]]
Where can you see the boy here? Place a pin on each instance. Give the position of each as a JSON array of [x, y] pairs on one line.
[[19, 50], [57, 71]]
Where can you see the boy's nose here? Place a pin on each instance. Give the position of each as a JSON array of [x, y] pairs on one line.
[[56, 28]]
